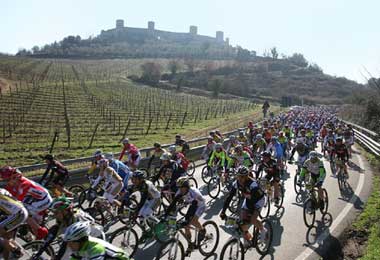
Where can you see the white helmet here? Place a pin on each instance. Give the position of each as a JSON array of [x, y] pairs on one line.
[[77, 231], [125, 141], [165, 157], [259, 136], [109, 156], [172, 148], [103, 163]]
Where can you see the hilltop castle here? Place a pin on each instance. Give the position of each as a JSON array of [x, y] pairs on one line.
[[130, 34]]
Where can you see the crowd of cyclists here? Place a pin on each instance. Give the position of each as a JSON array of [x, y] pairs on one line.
[[166, 188]]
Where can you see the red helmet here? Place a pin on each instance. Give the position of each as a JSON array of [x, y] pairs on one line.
[[7, 172]]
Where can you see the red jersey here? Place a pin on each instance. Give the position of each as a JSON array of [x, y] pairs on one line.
[[26, 188], [129, 149]]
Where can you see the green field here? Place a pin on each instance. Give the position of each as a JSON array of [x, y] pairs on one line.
[[78, 101]]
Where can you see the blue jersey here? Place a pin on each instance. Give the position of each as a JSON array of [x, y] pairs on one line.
[[122, 170]]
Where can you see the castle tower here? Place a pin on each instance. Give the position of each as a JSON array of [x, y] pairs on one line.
[[228, 41], [151, 26], [219, 37], [119, 24], [193, 30]]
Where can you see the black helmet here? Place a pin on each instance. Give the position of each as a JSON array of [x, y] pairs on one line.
[[242, 171], [266, 154], [49, 157], [157, 145], [138, 174]]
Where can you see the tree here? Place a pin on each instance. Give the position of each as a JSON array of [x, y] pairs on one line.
[[151, 72], [315, 68], [298, 59], [173, 66], [216, 84], [35, 49], [274, 53], [190, 64]]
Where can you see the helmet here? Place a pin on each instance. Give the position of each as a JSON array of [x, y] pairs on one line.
[[165, 157], [303, 130], [49, 157], [126, 141], [274, 138], [259, 136], [60, 203], [266, 154], [313, 154], [98, 153], [239, 148], [299, 141], [212, 133], [281, 133], [178, 137], [209, 138], [157, 145], [218, 146], [183, 182], [242, 171], [241, 133], [7, 172], [77, 231], [172, 148], [232, 137], [109, 156], [339, 138], [138, 174], [103, 163]]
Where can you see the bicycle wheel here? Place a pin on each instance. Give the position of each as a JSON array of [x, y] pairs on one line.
[[282, 194], [124, 211], [125, 238], [325, 202], [263, 245], [297, 188], [171, 250], [33, 247], [233, 250], [86, 198], [340, 180], [191, 168], [213, 187], [264, 212], [206, 174], [76, 190], [193, 182], [235, 204], [309, 212], [209, 244], [332, 167]]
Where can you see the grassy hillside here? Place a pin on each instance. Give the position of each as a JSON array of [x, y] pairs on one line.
[[85, 105]]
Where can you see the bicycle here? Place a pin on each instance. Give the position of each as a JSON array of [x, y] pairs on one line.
[[191, 168], [235, 248], [312, 201], [269, 196], [173, 249], [208, 172], [341, 175]]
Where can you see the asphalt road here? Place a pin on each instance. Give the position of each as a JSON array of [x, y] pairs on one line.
[[291, 238]]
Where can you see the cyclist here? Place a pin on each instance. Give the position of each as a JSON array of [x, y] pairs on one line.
[[113, 182], [121, 169], [150, 196], [349, 138], [13, 214], [259, 144], [98, 155], [270, 166], [283, 140], [217, 138], [179, 158], [218, 156], [315, 167], [65, 215], [242, 138], [182, 143], [341, 152], [193, 197], [303, 151], [253, 202], [35, 198], [62, 174], [84, 246], [157, 152], [232, 143], [207, 151], [329, 143], [267, 135], [132, 152], [242, 158], [287, 131]]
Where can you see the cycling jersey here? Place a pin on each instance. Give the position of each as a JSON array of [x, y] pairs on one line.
[[113, 183], [150, 197], [259, 144], [251, 191], [97, 249], [34, 197], [132, 152], [271, 169], [341, 152], [12, 212], [181, 160], [208, 150], [121, 169], [194, 198], [316, 169], [243, 159], [220, 156]]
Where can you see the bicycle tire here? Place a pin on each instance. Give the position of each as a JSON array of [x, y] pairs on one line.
[[230, 243], [326, 201], [211, 185], [309, 208], [160, 256], [206, 174], [76, 190], [265, 210], [263, 251], [132, 233], [200, 247], [191, 168]]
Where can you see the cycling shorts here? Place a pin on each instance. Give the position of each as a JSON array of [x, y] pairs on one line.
[[37, 208], [15, 220]]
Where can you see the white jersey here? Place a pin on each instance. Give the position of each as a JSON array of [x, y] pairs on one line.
[[313, 168], [9, 205], [193, 194]]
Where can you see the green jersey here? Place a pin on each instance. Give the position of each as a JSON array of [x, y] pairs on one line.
[[97, 249]]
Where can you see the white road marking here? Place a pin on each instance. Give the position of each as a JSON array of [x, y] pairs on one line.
[[308, 251]]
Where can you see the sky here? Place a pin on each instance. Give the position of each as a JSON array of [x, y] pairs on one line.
[[341, 36]]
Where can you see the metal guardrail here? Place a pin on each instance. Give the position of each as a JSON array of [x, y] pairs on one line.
[[367, 138]]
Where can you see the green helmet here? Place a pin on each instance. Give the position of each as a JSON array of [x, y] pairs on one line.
[[60, 203]]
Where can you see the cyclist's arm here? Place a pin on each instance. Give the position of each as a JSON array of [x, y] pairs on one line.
[[211, 160], [45, 174], [304, 171], [227, 202], [172, 205], [122, 154]]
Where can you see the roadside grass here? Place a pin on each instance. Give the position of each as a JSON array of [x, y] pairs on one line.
[[368, 222]]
